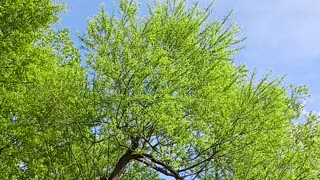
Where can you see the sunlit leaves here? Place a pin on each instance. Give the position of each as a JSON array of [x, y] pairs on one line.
[[153, 94]]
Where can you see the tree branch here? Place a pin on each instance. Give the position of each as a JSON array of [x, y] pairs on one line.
[[199, 163], [123, 161], [167, 170]]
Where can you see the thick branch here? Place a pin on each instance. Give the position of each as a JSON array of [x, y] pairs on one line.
[[149, 164], [167, 170], [123, 161]]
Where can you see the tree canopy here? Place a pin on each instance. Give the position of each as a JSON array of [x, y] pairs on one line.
[[143, 96]]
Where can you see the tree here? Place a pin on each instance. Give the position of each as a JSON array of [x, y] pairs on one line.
[[157, 94], [38, 68]]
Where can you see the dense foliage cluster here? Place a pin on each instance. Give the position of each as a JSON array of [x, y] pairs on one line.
[[144, 96]]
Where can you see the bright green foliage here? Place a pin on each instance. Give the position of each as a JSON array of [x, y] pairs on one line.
[[158, 94], [34, 88], [21, 24]]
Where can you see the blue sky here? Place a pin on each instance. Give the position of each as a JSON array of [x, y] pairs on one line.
[[283, 35]]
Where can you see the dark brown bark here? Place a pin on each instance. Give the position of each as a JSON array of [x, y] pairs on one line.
[[168, 171], [123, 162], [146, 159]]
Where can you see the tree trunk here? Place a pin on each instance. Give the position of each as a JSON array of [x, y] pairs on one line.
[[123, 161]]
